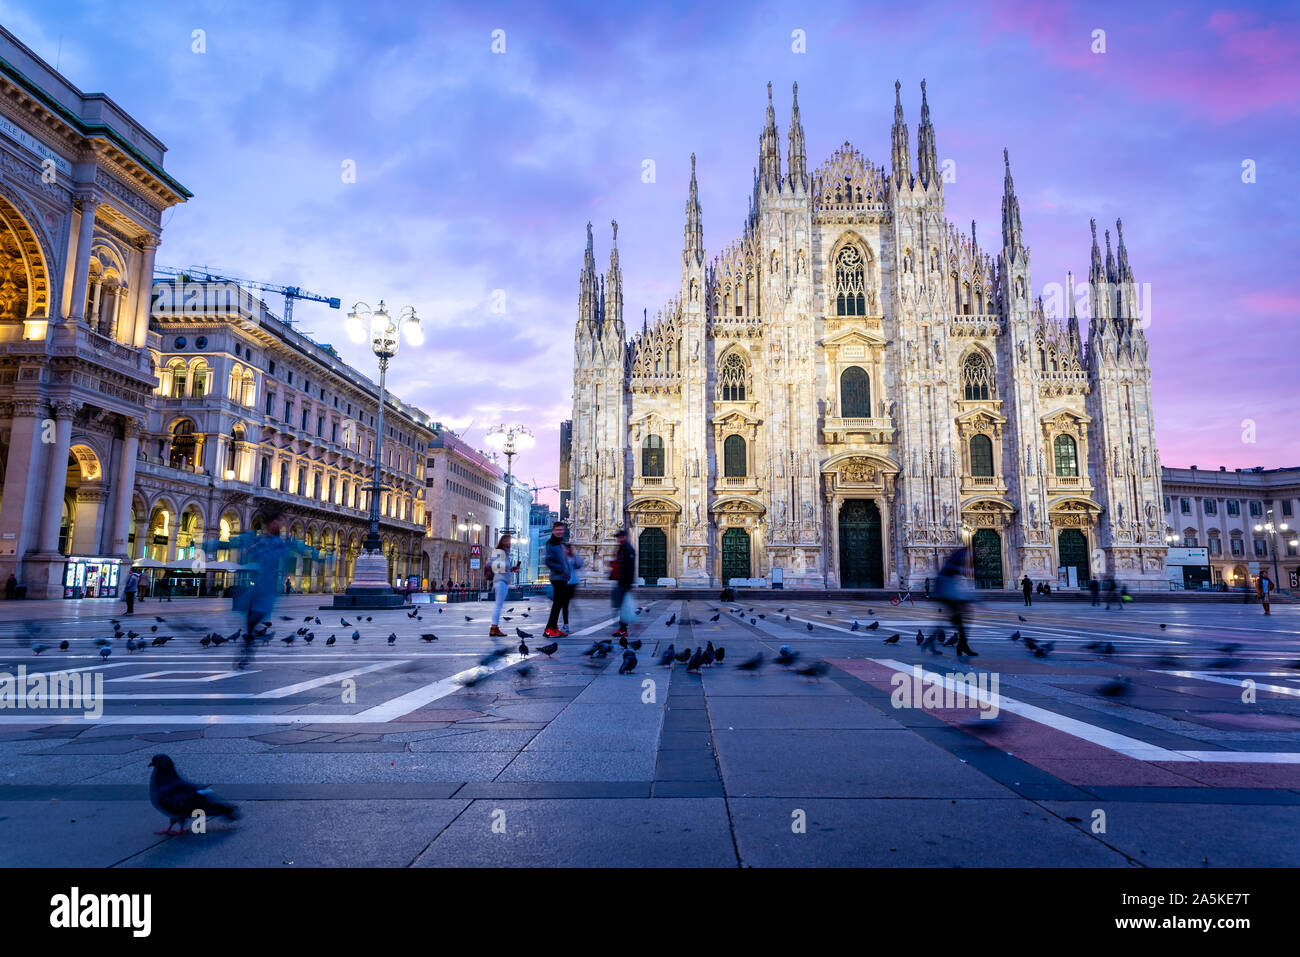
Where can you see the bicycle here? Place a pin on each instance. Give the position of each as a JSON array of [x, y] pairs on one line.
[[901, 597]]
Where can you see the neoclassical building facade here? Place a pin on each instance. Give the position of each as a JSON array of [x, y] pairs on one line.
[[854, 387]]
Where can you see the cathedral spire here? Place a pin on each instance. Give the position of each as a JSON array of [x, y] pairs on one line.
[[1072, 324], [693, 251], [927, 157], [1011, 232], [898, 135], [588, 307], [769, 158], [1111, 271], [1125, 273], [1097, 286], [797, 159], [614, 292]]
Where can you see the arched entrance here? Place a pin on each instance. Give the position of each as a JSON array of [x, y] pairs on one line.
[[986, 552], [861, 552], [735, 554], [1072, 550], [652, 555]]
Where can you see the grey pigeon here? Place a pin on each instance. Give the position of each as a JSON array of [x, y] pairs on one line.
[[892, 639], [873, 626], [179, 799], [629, 663], [751, 664]]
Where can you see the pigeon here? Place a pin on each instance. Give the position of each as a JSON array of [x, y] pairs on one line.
[[1015, 636], [392, 637], [709, 655], [753, 621], [1042, 650], [855, 627], [308, 618], [629, 663], [1030, 643], [949, 642], [523, 648], [179, 799], [38, 647], [892, 639], [1022, 617], [161, 640], [105, 652], [368, 618], [622, 642], [289, 639], [286, 618], [1163, 625], [719, 653], [752, 664], [414, 612], [205, 641], [1101, 647], [63, 646], [787, 617], [159, 619], [1116, 688], [316, 620], [672, 619], [344, 622], [919, 637], [814, 669], [873, 626], [683, 656], [697, 659], [428, 636], [356, 635], [780, 611], [786, 657], [635, 644], [468, 618], [153, 628], [309, 637], [550, 649], [330, 640], [716, 617], [810, 626], [101, 642], [666, 659]]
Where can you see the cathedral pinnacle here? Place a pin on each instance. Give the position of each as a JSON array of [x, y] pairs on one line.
[[898, 136], [927, 157], [797, 159], [769, 159], [693, 249], [1011, 231]]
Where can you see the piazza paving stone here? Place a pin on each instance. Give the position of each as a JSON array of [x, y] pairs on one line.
[[789, 712], [681, 832], [299, 768]]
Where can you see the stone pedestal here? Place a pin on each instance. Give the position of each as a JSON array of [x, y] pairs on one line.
[[370, 587]]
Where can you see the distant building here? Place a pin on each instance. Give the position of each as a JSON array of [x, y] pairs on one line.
[[566, 482], [1218, 511], [462, 488], [540, 520]]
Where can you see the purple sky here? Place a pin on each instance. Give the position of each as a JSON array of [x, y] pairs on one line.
[[477, 171]]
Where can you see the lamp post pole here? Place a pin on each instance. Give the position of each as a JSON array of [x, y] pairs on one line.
[[372, 585]]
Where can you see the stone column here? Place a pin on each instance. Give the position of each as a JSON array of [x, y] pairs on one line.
[[81, 268], [124, 490], [22, 484], [144, 297], [56, 478], [88, 522], [94, 317]]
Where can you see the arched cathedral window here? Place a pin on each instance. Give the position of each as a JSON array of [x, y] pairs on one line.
[[850, 283], [733, 378], [976, 377], [855, 394], [733, 457], [981, 455], [1067, 456], [652, 456]]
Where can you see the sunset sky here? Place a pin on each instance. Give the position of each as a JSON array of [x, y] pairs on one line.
[[477, 171]]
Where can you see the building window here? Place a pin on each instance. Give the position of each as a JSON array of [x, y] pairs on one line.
[[976, 378], [850, 283], [265, 478], [652, 457], [1286, 507], [1067, 457], [733, 454], [733, 378], [1256, 509], [981, 455], [1238, 549], [1210, 507], [199, 385], [1261, 548], [1189, 541], [1234, 507], [179, 377], [1185, 506], [855, 394], [1215, 547], [284, 476]]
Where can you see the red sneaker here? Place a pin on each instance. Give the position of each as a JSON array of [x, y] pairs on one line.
[[552, 633], [621, 633]]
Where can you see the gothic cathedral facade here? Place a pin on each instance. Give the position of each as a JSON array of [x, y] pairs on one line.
[[854, 388]]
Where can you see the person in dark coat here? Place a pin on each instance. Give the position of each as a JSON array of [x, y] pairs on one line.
[[1027, 587], [560, 567], [953, 597], [623, 573]]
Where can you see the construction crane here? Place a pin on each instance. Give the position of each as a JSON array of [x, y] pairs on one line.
[[290, 293]]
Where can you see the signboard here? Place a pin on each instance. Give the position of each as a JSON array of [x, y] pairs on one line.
[[475, 557], [1187, 556]]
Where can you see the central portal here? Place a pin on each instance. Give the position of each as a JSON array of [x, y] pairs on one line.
[[862, 560], [735, 554]]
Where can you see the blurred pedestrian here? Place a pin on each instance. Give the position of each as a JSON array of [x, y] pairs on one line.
[[1264, 589], [623, 574], [954, 597], [499, 571], [575, 579], [560, 568], [1094, 588], [130, 589], [11, 587], [1027, 587]]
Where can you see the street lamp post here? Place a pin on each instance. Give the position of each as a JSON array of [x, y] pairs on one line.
[[1268, 526], [511, 440], [371, 587]]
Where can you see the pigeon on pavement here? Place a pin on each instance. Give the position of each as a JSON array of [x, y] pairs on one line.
[[629, 663], [892, 639], [179, 799], [752, 664], [550, 649]]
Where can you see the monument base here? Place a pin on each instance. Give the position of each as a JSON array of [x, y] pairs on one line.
[[370, 587]]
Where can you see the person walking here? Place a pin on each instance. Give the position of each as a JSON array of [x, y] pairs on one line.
[[500, 571], [1094, 589], [130, 590], [11, 587], [953, 597], [623, 574], [1027, 587], [575, 580], [1108, 586], [561, 570], [1264, 588]]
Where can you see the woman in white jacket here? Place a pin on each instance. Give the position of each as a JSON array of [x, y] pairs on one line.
[[501, 572]]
